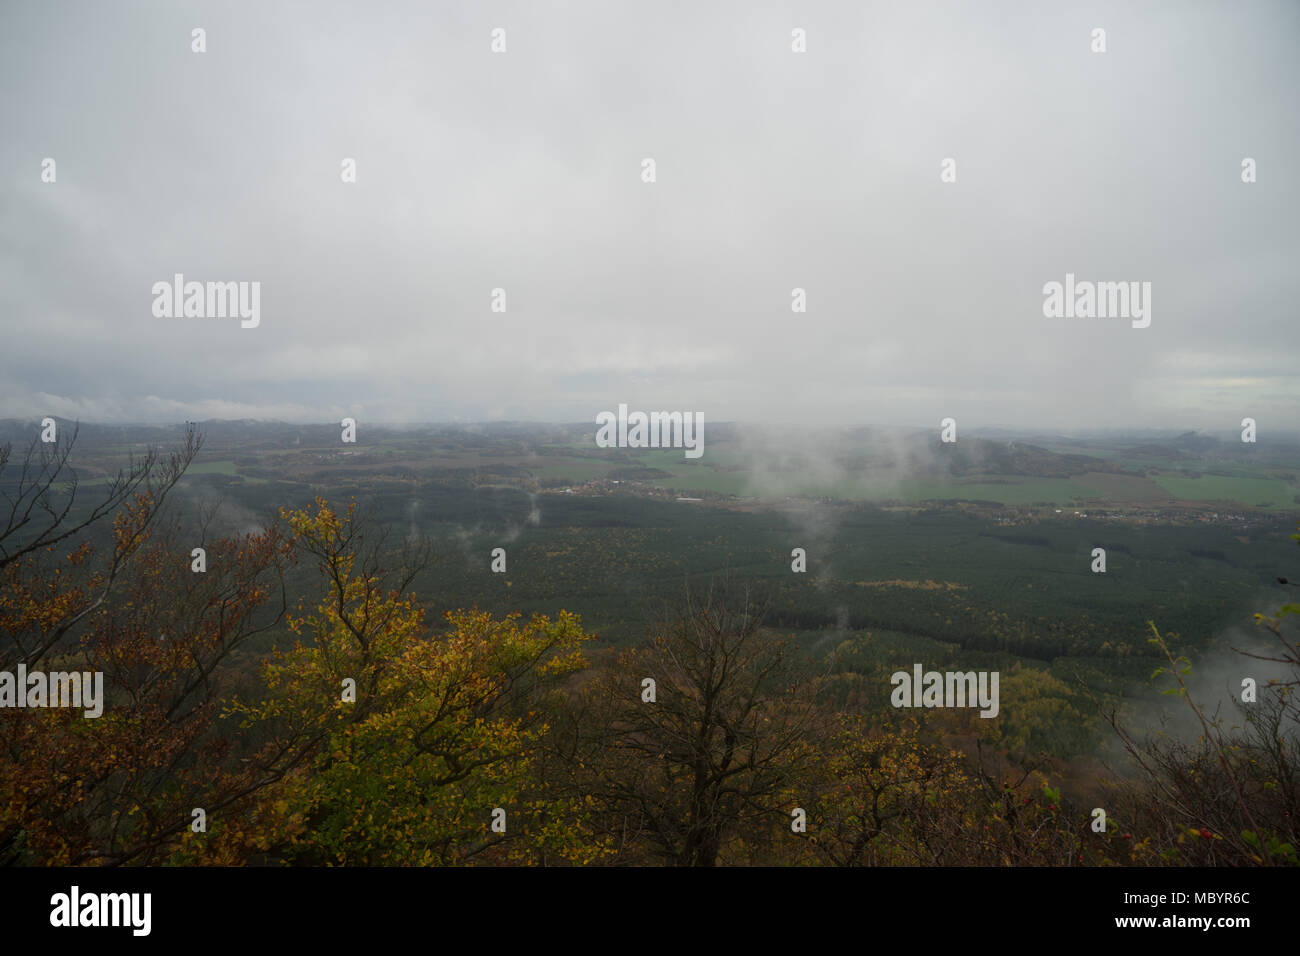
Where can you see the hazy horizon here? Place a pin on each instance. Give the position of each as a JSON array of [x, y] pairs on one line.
[[1231, 434]]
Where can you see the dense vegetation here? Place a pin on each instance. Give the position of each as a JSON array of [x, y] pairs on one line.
[[322, 695]]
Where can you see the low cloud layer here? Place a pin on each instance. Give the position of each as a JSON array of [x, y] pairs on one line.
[[775, 170]]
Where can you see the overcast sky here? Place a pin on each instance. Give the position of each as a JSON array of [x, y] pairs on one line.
[[775, 170]]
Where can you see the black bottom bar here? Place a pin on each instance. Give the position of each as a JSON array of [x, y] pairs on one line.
[[932, 906]]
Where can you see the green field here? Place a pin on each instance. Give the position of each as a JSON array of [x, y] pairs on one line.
[[706, 479], [212, 468], [1256, 492], [1124, 488], [1013, 491]]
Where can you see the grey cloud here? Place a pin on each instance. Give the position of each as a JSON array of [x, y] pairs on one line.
[[776, 170]]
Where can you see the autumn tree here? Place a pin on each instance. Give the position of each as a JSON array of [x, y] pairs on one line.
[[1230, 795], [122, 787], [423, 733], [882, 796], [687, 746]]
